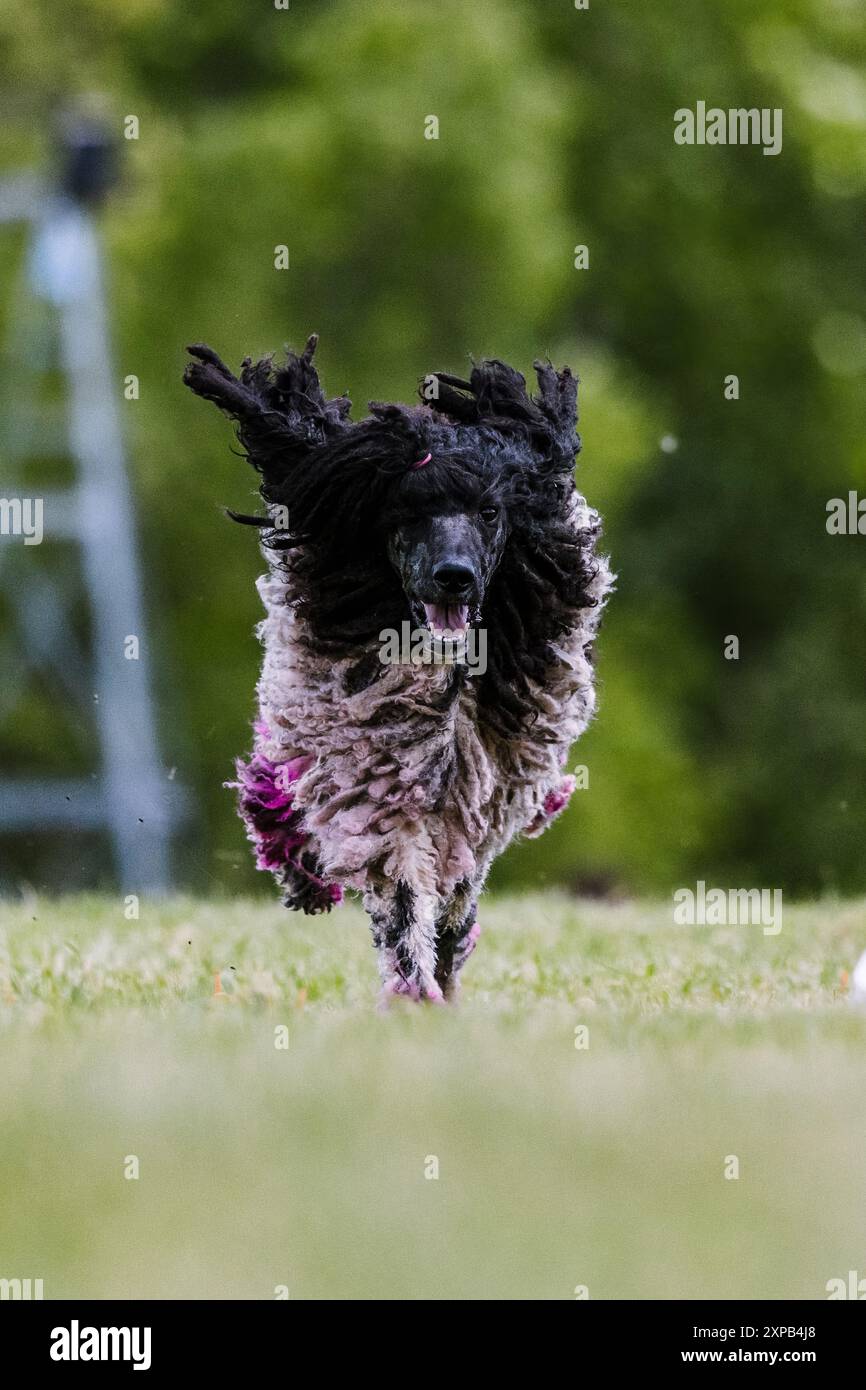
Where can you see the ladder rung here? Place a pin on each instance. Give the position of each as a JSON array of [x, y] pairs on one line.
[[30, 801]]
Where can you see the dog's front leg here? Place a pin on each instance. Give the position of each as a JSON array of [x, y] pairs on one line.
[[456, 935], [404, 933]]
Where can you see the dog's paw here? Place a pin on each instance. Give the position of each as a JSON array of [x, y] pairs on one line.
[[554, 804], [418, 991]]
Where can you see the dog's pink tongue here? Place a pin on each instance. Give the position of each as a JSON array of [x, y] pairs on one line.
[[444, 617]]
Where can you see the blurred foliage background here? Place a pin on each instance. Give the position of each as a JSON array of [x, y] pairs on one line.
[[305, 127]]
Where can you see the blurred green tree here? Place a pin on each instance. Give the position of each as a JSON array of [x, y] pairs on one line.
[[306, 128]]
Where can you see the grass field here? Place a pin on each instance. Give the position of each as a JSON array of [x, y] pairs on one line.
[[305, 1166]]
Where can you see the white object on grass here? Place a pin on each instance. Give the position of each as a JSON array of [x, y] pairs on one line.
[[858, 981]]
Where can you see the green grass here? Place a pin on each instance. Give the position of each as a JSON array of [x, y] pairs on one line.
[[305, 1167]]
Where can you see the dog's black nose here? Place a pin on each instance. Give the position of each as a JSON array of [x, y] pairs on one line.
[[454, 577]]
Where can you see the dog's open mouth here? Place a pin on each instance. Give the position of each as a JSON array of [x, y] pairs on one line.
[[447, 620]]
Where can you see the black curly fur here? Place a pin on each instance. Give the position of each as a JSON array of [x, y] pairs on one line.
[[346, 485]]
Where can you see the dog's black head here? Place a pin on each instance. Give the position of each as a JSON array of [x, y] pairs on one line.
[[459, 510], [445, 534], [445, 564]]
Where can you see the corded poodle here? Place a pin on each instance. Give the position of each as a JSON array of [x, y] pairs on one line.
[[404, 779]]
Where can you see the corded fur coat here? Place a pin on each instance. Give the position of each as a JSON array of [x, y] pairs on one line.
[[405, 780]]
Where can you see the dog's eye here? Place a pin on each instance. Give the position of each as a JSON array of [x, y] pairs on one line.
[[488, 513]]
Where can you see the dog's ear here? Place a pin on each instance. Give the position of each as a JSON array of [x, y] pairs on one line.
[[557, 397], [282, 414], [496, 395]]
